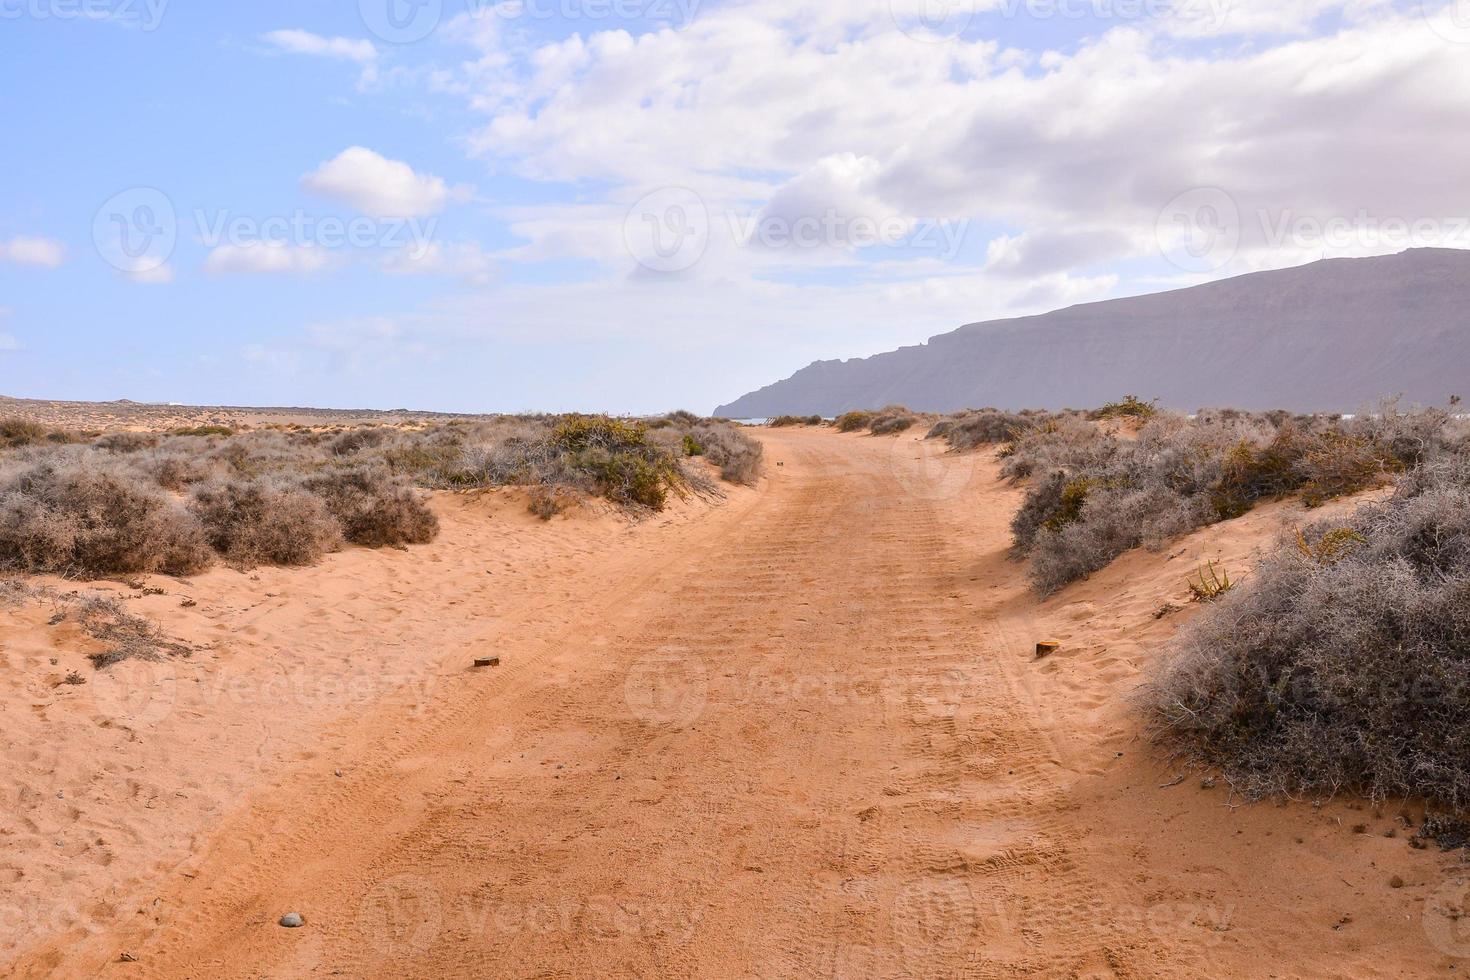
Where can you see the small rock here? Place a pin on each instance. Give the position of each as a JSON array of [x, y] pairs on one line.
[[127, 958], [487, 661], [293, 920], [1395, 882]]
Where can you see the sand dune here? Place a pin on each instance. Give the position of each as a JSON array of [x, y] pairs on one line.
[[800, 732]]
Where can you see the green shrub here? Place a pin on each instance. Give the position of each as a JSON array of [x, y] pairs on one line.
[[853, 421], [1130, 407]]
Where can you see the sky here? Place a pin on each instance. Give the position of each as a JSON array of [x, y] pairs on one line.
[[641, 205]]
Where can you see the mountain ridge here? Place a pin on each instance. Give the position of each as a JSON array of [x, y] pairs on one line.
[[1332, 335]]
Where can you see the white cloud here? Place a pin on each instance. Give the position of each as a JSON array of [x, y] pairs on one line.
[[465, 261], [1079, 150], [339, 48], [46, 253], [377, 186], [267, 258]]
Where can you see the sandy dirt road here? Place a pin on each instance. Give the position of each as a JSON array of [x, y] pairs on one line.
[[803, 736]]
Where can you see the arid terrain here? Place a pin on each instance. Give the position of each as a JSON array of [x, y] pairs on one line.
[[797, 731]]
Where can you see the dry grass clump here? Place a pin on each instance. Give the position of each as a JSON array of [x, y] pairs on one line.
[[374, 508], [1131, 407], [111, 506], [76, 519], [263, 521], [1344, 663], [786, 421], [853, 421], [965, 431], [737, 456], [23, 432], [1095, 494]]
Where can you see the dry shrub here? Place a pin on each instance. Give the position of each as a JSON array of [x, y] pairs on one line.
[[1344, 663], [786, 421], [987, 426], [738, 456], [1095, 495], [356, 440], [23, 432], [86, 521], [254, 522], [374, 508], [892, 424], [853, 421]]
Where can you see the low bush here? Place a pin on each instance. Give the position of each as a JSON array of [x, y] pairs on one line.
[[1095, 494], [86, 521], [254, 522], [892, 424], [374, 508], [785, 421], [965, 431], [1131, 407], [1344, 663], [23, 432], [853, 421], [738, 456]]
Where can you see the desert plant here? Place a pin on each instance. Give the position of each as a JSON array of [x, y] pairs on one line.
[[87, 521], [1210, 583], [253, 522], [1344, 664], [374, 508], [853, 421], [1130, 407]]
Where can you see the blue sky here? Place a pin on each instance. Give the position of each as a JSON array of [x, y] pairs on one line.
[[636, 205]]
